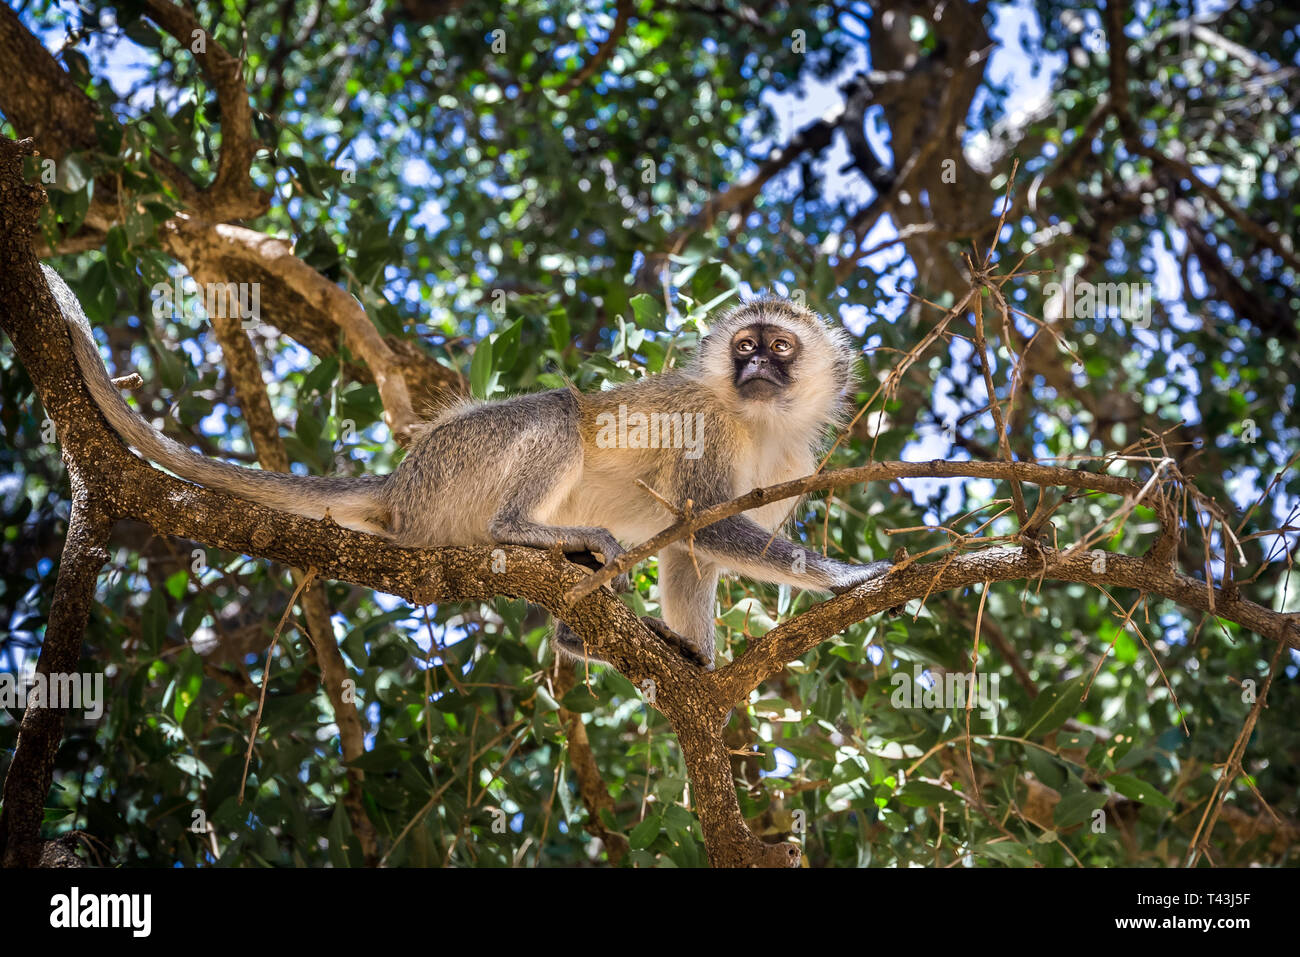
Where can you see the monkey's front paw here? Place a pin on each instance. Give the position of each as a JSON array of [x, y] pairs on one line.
[[600, 540], [659, 628], [860, 574]]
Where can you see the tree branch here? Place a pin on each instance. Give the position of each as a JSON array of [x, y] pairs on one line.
[[695, 703], [768, 654], [231, 195], [622, 13], [200, 242], [31, 772]]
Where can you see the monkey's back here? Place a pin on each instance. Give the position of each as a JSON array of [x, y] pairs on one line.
[[474, 456]]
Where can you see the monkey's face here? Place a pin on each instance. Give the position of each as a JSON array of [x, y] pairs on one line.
[[763, 357], [777, 362]]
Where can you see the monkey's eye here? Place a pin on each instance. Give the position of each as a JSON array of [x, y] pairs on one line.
[[781, 346], [745, 346]]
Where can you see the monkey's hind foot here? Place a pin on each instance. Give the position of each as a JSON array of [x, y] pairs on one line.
[[659, 628], [570, 647]]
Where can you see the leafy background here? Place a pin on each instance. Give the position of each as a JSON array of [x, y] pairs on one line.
[[522, 232]]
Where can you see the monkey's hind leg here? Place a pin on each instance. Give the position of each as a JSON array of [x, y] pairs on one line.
[[688, 591]]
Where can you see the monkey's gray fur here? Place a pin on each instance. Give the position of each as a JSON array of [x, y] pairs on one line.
[[539, 469]]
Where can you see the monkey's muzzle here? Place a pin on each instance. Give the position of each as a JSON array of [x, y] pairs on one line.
[[759, 378]]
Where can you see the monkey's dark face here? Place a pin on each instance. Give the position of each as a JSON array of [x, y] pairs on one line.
[[763, 357]]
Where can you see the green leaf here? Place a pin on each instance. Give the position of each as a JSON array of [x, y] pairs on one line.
[[706, 277], [1076, 808], [308, 428], [856, 795], [809, 747], [177, 582], [171, 371], [1075, 739], [355, 646], [340, 837], [383, 758], [139, 228], [1006, 852], [921, 794], [189, 764], [115, 245], [187, 689], [545, 702], [320, 378], [668, 789], [559, 329], [1046, 768], [505, 349], [143, 34], [106, 294], [74, 210], [1138, 790], [480, 370], [153, 621], [749, 614], [1053, 707], [74, 174], [677, 818], [648, 312], [643, 834], [1078, 801], [302, 173]]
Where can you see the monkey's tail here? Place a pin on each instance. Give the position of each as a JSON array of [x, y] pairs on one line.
[[352, 502]]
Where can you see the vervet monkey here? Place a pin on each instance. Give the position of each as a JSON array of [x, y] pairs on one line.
[[750, 409]]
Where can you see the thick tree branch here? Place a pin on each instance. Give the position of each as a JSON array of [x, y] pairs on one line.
[[232, 194], [769, 653], [132, 489], [695, 702], [195, 241], [294, 299]]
